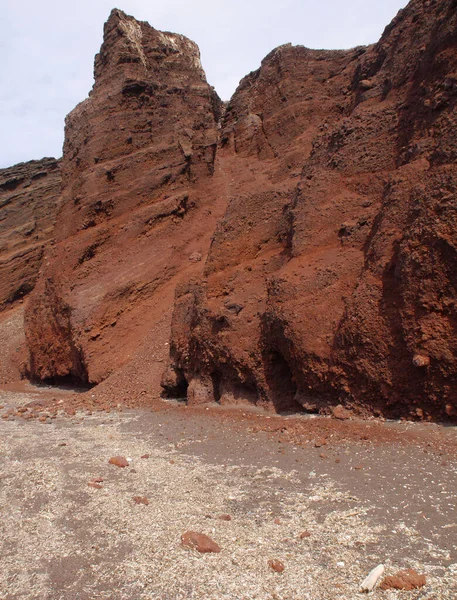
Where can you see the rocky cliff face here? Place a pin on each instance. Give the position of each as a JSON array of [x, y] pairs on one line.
[[309, 229], [29, 201], [138, 156], [331, 278]]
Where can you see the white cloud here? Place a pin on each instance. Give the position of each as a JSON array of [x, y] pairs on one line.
[[47, 50]]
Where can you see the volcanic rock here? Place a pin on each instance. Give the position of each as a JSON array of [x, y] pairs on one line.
[[321, 200], [276, 565], [339, 237], [199, 541], [403, 580], [29, 200], [119, 461], [138, 157]]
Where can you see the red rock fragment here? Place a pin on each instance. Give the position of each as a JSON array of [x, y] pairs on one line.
[[94, 484], [277, 521], [404, 580], [145, 456], [276, 565], [141, 500], [304, 534], [341, 413], [224, 517], [421, 361], [119, 461], [199, 541]]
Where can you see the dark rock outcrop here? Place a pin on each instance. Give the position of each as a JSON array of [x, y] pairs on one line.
[[29, 201]]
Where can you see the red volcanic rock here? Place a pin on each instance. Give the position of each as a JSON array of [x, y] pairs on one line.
[[29, 200], [304, 233], [141, 500], [94, 484], [403, 580], [139, 196], [339, 242], [225, 517], [339, 412], [199, 541], [276, 565], [119, 461]]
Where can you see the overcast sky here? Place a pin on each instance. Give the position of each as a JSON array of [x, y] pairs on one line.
[[47, 49]]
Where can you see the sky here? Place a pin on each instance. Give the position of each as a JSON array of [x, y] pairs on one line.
[[47, 50]]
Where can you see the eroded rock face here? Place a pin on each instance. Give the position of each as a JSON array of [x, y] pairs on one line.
[[29, 201], [138, 156], [308, 229], [333, 268]]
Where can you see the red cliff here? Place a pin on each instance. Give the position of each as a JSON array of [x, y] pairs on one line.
[[308, 227]]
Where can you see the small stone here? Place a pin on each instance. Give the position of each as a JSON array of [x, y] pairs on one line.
[[421, 361], [42, 419], [119, 461], [145, 456], [63, 444], [276, 565], [451, 411], [141, 500], [224, 517], [304, 534], [277, 521], [199, 541], [366, 84], [94, 484], [404, 580], [341, 413]]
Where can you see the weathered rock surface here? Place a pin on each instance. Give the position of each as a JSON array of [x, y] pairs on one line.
[[308, 229], [138, 155], [29, 201], [333, 268]]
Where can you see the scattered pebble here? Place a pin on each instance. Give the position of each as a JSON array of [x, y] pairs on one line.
[[276, 565], [199, 541], [141, 500], [119, 461]]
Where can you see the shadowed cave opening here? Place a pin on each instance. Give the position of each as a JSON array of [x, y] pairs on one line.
[[281, 383]]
